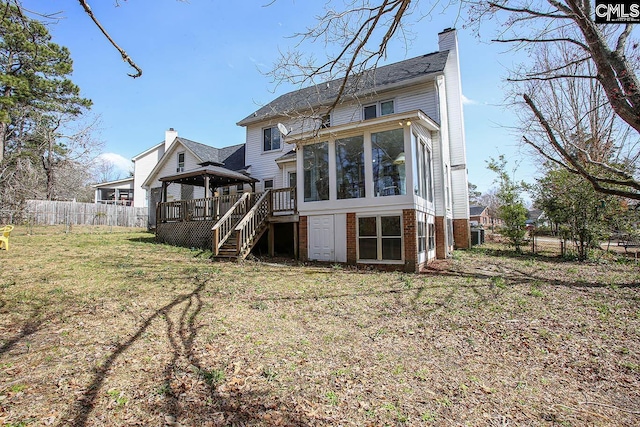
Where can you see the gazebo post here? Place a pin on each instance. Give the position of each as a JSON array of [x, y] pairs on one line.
[[207, 195]]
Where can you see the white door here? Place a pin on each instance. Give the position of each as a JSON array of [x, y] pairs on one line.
[[321, 238]]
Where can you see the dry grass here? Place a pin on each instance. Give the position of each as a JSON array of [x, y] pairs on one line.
[[109, 329]]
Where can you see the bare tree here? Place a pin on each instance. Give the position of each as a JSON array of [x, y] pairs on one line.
[[571, 123], [596, 136]]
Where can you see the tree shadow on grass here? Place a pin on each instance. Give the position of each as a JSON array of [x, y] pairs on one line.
[[35, 321], [30, 327], [231, 409], [149, 239]]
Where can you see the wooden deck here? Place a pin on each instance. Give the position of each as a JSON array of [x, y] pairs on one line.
[[227, 225]]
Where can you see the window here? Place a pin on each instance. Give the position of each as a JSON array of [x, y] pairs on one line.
[[271, 139], [268, 183], [370, 112], [240, 188], [293, 179], [389, 177], [315, 159], [422, 236], [432, 236], [380, 109], [422, 182], [350, 167], [380, 238], [180, 167], [386, 107], [225, 191]]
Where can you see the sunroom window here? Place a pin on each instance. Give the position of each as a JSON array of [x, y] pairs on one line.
[[315, 159], [389, 176], [350, 167]]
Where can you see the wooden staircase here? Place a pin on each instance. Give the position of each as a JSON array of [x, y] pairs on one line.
[[229, 250], [237, 232]]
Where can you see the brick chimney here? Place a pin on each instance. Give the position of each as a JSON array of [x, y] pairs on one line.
[[169, 136]]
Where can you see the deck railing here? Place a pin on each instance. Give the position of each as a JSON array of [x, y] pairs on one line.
[[227, 223], [210, 208], [283, 200], [252, 222]]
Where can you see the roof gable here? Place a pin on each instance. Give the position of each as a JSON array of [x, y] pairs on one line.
[[476, 210], [374, 80], [231, 157]]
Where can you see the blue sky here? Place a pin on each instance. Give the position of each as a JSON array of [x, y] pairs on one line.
[[203, 67]]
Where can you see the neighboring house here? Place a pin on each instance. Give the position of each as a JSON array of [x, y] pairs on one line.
[[119, 192], [479, 216], [536, 218], [186, 164], [382, 179]]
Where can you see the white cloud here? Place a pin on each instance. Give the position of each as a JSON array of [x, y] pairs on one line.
[[467, 101], [119, 162]]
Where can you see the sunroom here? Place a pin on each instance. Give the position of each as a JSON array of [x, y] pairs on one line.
[[366, 191]]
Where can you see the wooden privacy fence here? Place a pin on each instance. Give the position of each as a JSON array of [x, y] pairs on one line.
[[45, 212]]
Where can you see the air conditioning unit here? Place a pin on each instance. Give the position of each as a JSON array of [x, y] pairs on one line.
[[179, 169]]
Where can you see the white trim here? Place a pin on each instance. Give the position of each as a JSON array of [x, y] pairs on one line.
[[149, 150], [111, 183], [364, 125]]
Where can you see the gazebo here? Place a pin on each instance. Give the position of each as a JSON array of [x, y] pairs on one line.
[[209, 175]]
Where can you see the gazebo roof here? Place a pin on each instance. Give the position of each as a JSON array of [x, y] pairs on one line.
[[218, 177]]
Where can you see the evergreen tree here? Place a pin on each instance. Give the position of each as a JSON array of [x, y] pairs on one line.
[[34, 77]]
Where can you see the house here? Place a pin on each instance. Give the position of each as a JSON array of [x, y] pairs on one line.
[[195, 169], [480, 216], [536, 218], [380, 180], [119, 192]]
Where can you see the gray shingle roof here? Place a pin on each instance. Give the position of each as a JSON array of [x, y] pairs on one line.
[[476, 210], [231, 157], [375, 80]]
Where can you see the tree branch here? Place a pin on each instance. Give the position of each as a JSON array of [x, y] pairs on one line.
[[595, 181], [124, 54]]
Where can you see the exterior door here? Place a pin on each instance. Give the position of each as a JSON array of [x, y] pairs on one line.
[[321, 238]]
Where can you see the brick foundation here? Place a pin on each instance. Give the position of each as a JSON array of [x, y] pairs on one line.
[[352, 256], [410, 240], [461, 233], [441, 238], [303, 237]]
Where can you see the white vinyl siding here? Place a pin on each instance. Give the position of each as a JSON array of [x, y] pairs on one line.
[[263, 164]]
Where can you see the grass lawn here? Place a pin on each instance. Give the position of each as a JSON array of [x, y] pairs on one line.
[[102, 327]]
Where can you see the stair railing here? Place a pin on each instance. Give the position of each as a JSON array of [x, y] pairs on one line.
[[252, 222], [226, 224]]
